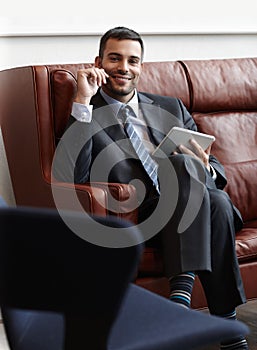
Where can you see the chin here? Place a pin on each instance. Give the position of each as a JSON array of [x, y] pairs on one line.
[[123, 91]]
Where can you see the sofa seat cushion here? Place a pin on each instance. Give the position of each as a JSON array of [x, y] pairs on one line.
[[246, 244], [246, 247]]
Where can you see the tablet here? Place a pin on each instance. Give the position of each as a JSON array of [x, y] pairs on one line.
[[179, 136]]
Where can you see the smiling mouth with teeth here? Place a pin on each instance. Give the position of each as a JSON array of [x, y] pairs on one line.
[[121, 79]]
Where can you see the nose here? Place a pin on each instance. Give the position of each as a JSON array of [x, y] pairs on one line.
[[123, 66]]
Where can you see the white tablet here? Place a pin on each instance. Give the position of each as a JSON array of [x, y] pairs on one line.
[[180, 136]]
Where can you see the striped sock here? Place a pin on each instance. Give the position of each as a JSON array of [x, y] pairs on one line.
[[181, 288], [238, 343]]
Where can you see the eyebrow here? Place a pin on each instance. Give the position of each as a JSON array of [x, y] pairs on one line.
[[117, 54]]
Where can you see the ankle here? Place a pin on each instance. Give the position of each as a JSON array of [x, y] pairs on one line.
[[181, 287]]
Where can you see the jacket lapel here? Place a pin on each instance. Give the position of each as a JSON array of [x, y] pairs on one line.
[[156, 118], [104, 119]]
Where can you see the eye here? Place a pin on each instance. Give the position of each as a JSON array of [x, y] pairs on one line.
[[114, 58], [134, 61]]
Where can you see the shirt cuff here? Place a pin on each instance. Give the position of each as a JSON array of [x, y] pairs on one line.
[[81, 112], [213, 172]]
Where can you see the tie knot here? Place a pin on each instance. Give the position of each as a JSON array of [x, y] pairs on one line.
[[125, 112]]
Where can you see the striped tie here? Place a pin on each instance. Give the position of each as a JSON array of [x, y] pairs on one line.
[[148, 163]]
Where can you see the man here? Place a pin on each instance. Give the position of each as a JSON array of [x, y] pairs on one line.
[[195, 218]]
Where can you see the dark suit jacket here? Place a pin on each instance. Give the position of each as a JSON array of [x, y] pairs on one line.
[[101, 147]]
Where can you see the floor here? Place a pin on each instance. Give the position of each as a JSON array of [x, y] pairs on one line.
[[3, 342], [246, 313]]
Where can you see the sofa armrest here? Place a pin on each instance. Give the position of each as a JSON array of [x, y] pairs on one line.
[[122, 199], [98, 198]]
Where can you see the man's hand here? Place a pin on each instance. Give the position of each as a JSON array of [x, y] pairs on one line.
[[198, 152], [88, 81]]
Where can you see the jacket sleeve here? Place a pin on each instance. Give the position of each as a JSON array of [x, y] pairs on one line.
[[72, 158]]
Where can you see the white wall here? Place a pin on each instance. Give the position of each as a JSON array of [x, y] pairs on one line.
[[66, 32], [20, 51]]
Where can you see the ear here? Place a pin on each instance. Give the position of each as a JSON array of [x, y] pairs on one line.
[[98, 62]]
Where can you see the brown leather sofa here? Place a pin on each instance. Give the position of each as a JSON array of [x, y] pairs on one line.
[[221, 95]]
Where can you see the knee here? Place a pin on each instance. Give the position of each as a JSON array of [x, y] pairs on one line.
[[220, 204]]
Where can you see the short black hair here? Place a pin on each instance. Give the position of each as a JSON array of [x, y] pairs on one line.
[[120, 33]]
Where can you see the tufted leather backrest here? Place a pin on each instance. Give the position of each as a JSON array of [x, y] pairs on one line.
[[165, 78], [224, 103], [63, 84]]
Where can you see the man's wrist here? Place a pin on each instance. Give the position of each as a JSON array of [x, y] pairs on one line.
[[84, 100], [82, 112]]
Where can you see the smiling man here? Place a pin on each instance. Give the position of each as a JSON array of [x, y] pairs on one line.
[[115, 129]]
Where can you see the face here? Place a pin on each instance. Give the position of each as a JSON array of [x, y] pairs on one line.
[[122, 62]]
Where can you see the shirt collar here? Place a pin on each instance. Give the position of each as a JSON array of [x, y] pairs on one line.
[[116, 105]]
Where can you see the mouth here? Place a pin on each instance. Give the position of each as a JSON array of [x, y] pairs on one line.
[[121, 79]]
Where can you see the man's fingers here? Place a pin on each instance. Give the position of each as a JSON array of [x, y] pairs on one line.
[[198, 152], [93, 75]]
